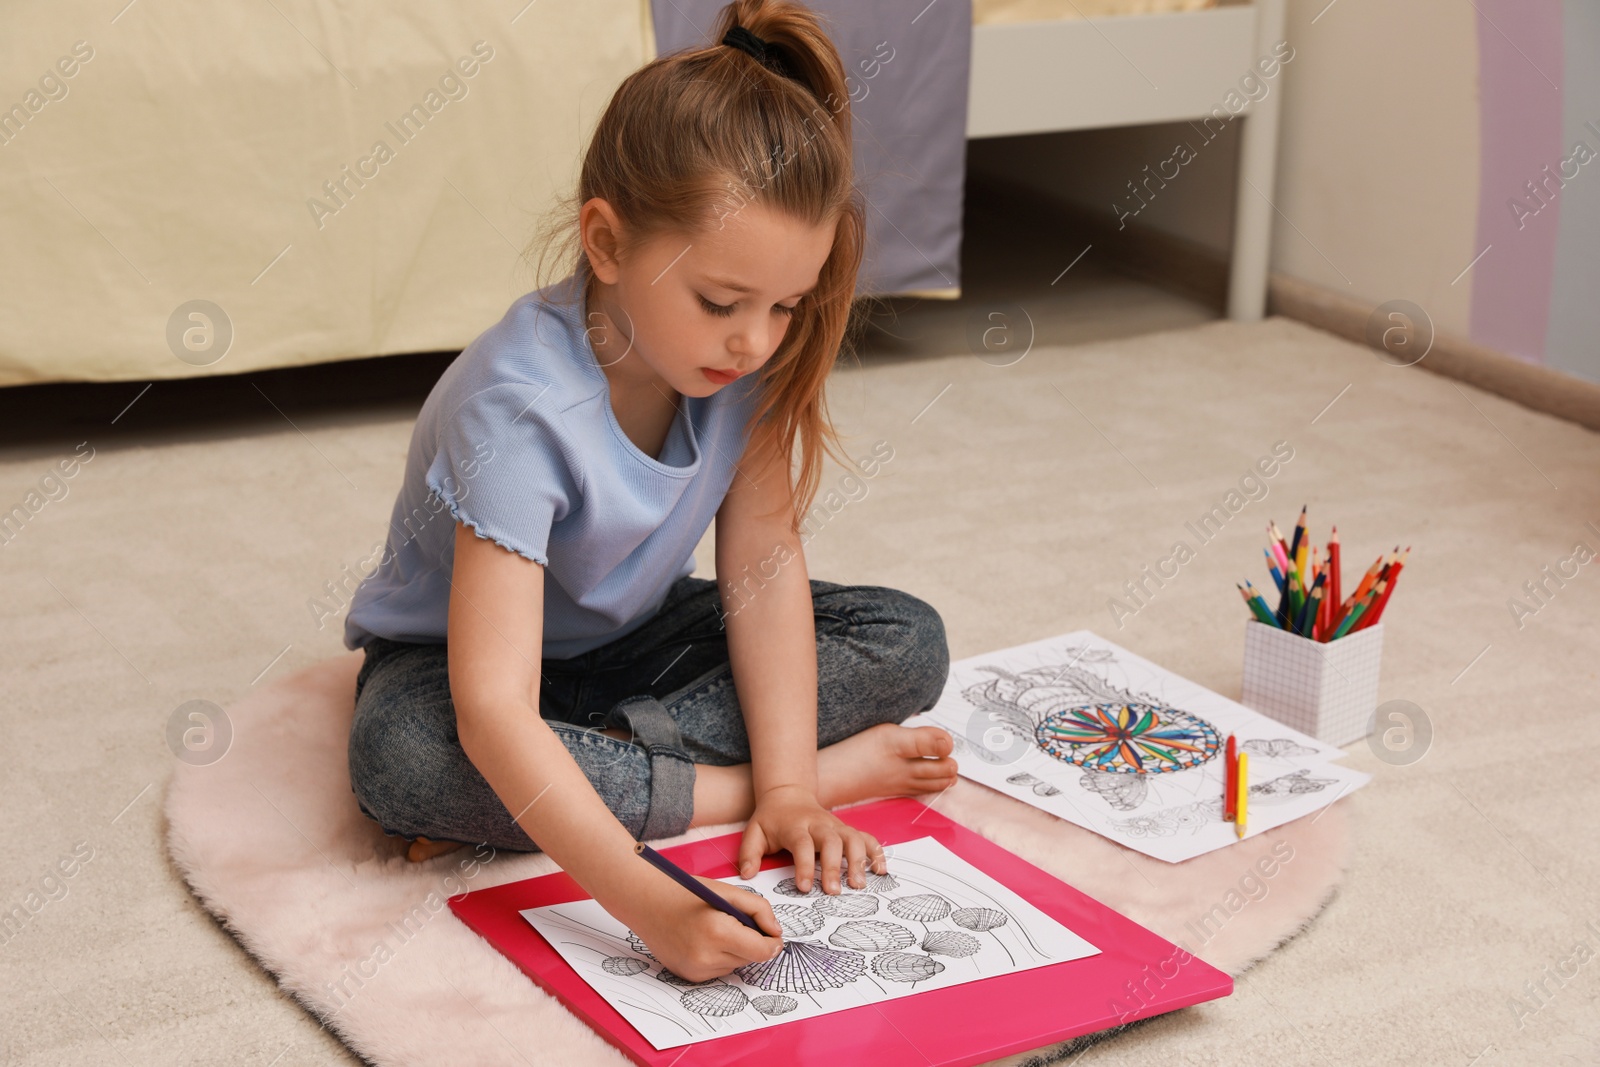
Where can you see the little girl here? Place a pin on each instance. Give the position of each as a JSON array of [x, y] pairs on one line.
[[591, 691]]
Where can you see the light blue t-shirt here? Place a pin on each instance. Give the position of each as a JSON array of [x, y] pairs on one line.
[[518, 440]]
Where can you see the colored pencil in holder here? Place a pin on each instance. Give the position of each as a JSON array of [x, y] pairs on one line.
[[1359, 610], [1277, 546], [1310, 582], [1374, 615], [1313, 604], [1333, 598], [1258, 605], [1361, 591], [1272, 569]]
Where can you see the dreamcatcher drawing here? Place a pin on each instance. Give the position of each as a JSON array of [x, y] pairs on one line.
[[1074, 715]]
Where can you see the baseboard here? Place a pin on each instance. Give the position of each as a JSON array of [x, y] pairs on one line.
[[1201, 273], [1532, 386]]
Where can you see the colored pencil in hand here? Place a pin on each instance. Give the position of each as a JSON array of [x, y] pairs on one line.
[[695, 885]]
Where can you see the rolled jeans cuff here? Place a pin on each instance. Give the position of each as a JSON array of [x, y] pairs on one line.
[[672, 772]]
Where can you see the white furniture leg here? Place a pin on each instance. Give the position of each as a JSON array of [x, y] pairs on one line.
[[1258, 151]]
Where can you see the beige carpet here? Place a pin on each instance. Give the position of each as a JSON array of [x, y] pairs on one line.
[[181, 567]]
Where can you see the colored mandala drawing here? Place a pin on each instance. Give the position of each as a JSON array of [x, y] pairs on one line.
[[1127, 738]]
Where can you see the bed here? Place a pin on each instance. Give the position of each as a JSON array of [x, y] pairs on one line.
[[192, 162]]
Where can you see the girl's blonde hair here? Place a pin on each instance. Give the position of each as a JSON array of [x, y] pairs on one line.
[[692, 137]]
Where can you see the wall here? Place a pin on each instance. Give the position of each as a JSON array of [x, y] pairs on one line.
[[1407, 130]]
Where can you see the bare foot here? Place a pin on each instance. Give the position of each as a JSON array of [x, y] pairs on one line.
[[886, 760], [422, 849]]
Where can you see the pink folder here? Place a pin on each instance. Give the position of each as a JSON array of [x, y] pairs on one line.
[[1136, 974]]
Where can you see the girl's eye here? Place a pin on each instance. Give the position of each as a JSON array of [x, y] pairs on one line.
[[715, 309], [727, 309]]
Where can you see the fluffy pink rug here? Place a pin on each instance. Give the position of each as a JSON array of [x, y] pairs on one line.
[[270, 839]]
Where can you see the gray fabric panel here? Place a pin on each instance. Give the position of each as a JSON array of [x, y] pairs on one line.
[[910, 125]]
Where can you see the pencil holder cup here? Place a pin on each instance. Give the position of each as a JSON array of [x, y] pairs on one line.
[[1326, 689]]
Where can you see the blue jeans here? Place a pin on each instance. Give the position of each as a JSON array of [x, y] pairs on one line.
[[881, 657]]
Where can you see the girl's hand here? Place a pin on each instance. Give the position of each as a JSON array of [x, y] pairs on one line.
[[689, 937], [790, 817]]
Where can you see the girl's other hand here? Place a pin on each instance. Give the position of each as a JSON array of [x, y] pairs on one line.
[[689, 937], [790, 817]]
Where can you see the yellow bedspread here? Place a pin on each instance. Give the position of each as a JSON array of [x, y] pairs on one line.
[[340, 178]]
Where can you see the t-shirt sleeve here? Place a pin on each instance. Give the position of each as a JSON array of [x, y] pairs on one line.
[[503, 467]]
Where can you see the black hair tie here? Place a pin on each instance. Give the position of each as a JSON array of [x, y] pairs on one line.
[[742, 39]]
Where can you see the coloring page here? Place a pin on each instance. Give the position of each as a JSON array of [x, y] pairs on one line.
[[1091, 733], [933, 920]]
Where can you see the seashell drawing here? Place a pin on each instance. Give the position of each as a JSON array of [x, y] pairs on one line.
[[796, 920], [955, 943], [668, 977], [856, 906], [871, 936], [638, 945], [981, 920], [787, 888], [773, 1004], [623, 966], [880, 883], [718, 999], [922, 908], [804, 967], [905, 966], [1028, 781]]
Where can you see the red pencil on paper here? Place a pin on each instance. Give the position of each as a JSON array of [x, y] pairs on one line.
[[1230, 778]]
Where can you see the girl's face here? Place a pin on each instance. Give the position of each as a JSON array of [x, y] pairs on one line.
[[696, 312]]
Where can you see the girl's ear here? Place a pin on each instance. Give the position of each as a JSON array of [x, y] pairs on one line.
[[601, 233]]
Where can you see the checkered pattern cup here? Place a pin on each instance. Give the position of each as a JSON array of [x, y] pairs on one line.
[[1326, 689]]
